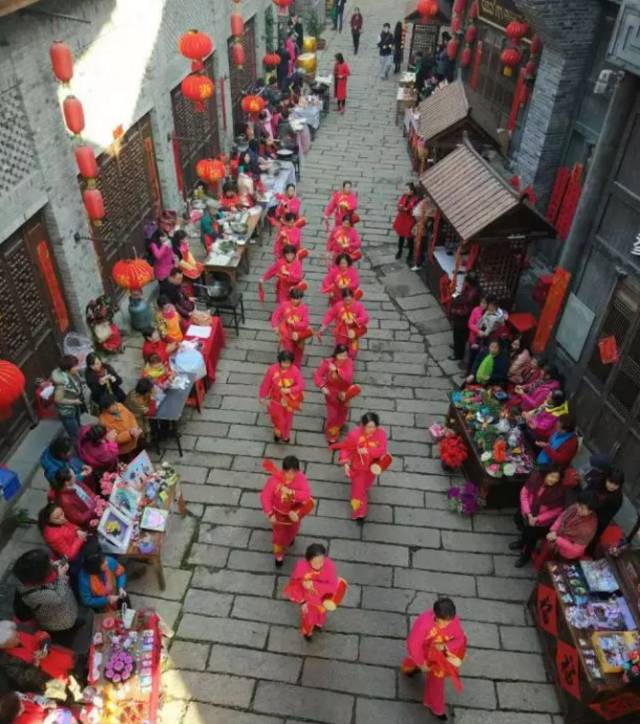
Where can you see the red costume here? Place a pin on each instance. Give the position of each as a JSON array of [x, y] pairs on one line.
[[159, 348], [351, 321], [344, 240], [405, 221], [337, 376], [57, 663], [288, 276], [288, 235], [336, 280], [360, 451], [292, 323], [283, 404], [441, 650], [287, 205], [63, 540], [326, 586], [341, 203], [341, 73], [281, 497]]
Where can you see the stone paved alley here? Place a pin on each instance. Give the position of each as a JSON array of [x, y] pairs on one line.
[[237, 656]]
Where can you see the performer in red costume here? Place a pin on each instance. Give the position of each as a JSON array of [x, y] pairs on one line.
[[342, 275], [281, 392], [334, 377], [287, 271], [351, 321], [290, 320], [344, 239], [341, 202]]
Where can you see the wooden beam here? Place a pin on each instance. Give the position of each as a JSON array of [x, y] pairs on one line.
[[11, 6]]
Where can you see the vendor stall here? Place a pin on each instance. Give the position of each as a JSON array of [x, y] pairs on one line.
[[441, 122], [480, 223], [424, 32], [588, 614]]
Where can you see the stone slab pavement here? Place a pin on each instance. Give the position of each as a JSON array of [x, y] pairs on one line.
[[237, 655]]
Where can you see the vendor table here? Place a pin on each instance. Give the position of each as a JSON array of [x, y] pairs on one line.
[[212, 347], [170, 410], [135, 700], [278, 183], [405, 98], [503, 492], [563, 597], [310, 114]]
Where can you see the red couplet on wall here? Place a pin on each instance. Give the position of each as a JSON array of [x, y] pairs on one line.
[[551, 309]]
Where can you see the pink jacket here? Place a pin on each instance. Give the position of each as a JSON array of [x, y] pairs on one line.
[[536, 393], [163, 260], [567, 548], [546, 516], [104, 455], [474, 318]]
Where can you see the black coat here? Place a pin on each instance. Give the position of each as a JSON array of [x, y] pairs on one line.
[[97, 390]]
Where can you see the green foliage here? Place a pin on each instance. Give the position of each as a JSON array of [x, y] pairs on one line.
[[314, 27], [19, 518]]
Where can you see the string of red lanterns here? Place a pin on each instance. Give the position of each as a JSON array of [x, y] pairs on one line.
[[196, 87], [470, 36], [271, 60], [511, 56], [238, 55]]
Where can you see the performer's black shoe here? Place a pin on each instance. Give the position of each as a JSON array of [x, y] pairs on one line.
[[278, 563], [516, 545], [308, 637]]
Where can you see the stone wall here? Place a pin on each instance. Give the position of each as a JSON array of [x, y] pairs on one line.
[[126, 63]]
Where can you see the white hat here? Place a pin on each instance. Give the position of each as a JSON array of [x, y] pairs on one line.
[[7, 632]]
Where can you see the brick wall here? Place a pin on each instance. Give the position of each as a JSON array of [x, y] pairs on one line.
[[126, 63]]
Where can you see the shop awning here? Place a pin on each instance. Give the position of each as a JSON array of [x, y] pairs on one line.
[[478, 202], [411, 15], [453, 110]]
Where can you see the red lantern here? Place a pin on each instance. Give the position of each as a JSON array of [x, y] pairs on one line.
[[465, 58], [473, 11], [94, 204], [12, 384], [282, 3], [197, 88], [237, 54], [86, 163], [237, 24], [530, 69], [536, 45], [516, 30], [195, 46], [210, 170], [427, 8], [456, 24], [132, 274], [510, 58], [452, 49], [73, 114], [471, 34], [253, 104], [459, 5], [270, 60], [61, 60]]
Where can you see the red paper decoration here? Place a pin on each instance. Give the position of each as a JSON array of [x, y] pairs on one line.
[[12, 384], [568, 669], [465, 58], [253, 104], [237, 24], [197, 88], [510, 58], [196, 46], [427, 8], [459, 5], [516, 30], [238, 55], [611, 709], [473, 11], [270, 60], [61, 61], [73, 114], [282, 3], [608, 349], [471, 34], [546, 609], [536, 45], [452, 48], [132, 274], [210, 170], [456, 24], [94, 204], [86, 162]]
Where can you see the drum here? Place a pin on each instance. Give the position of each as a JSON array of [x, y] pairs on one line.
[[309, 44], [308, 63]]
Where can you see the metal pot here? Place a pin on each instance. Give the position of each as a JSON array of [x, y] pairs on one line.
[[284, 154], [219, 287]]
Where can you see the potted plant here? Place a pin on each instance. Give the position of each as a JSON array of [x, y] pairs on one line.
[[315, 28]]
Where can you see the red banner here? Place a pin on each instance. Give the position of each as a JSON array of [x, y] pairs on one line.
[[546, 608], [608, 348], [51, 279], [518, 94], [559, 188], [610, 709], [475, 69], [570, 202], [568, 669], [551, 309]]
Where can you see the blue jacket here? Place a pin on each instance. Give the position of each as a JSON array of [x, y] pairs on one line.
[[51, 465], [87, 596]]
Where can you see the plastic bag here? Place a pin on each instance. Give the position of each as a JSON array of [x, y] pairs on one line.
[[77, 345], [189, 360]]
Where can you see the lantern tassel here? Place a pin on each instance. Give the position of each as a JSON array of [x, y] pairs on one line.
[[197, 65]]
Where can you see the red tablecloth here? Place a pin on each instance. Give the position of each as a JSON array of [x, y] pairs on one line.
[[212, 346]]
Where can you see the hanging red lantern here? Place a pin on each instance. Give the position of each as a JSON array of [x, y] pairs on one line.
[[510, 58], [530, 69], [237, 24], [210, 170], [237, 55], [516, 30], [456, 24], [536, 45], [132, 274], [270, 60], [61, 61], [452, 48], [94, 204], [86, 163], [465, 58], [196, 46], [73, 114], [471, 34], [12, 384], [427, 8], [473, 10], [282, 3], [198, 89], [253, 104], [459, 5]]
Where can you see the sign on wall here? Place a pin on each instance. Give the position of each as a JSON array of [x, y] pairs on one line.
[[500, 13]]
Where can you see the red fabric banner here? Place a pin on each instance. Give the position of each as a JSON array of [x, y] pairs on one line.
[[51, 280], [517, 101], [570, 202], [551, 309], [547, 609], [475, 68], [614, 708], [559, 188], [568, 669]]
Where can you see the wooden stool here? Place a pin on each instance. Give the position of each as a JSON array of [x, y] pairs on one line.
[[230, 305]]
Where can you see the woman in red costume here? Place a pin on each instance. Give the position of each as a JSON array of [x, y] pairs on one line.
[[334, 377], [281, 392], [342, 275], [315, 585], [290, 320], [344, 239], [286, 499], [436, 645], [405, 221], [364, 455], [341, 203], [288, 203], [351, 321], [287, 271], [288, 231], [341, 73]]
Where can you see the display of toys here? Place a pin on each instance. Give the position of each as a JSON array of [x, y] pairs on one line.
[[599, 576], [120, 666]]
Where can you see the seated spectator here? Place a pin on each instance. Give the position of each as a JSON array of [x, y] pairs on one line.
[[98, 447], [44, 595], [542, 500], [102, 582], [574, 530], [608, 498], [102, 378], [64, 538], [78, 501], [490, 367], [59, 455], [68, 396], [533, 394], [154, 344], [115, 416], [157, 372], [542, 421], [168, 321], [562, 446], [521, 364], [141, 402]]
